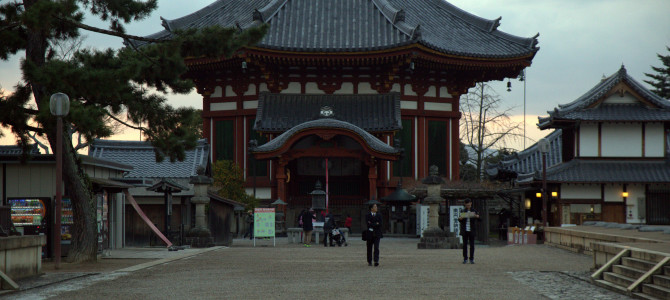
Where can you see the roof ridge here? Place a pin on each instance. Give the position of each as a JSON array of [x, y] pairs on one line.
[[397, 18], [264, 14]]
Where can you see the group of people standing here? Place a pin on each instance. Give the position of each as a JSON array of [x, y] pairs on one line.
[[374, 230]]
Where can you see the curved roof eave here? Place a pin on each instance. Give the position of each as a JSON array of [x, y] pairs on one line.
[[371, 141]]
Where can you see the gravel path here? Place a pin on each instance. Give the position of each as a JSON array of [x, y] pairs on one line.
[[290, 271]]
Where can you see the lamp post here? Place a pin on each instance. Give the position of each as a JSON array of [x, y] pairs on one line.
[[59, 104], [543, 144]]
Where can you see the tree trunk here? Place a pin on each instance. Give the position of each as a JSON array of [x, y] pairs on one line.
[[84, 237]]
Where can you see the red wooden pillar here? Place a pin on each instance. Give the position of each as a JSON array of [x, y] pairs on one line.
[[281, 179], [372, 177]]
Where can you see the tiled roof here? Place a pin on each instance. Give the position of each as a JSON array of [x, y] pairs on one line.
[[17, 150], [141, 156], [360, 25], [374, 113], [580, 108], [608, 171], [530, 159], [373, 142]]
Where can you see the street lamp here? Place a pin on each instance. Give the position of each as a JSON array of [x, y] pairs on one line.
[[543, 144], [59, 104]]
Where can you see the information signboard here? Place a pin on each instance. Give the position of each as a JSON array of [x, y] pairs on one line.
[[454, 225], [264, 223]]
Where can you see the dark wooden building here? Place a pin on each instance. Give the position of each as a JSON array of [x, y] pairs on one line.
[[376, 70]]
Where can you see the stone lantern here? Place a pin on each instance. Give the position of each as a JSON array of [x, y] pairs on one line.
[[200, 235], [434, 237]]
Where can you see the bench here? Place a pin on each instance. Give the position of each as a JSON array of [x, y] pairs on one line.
[[294, 234]]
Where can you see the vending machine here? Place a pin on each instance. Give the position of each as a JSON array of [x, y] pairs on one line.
[[66, 221], [31, 217]]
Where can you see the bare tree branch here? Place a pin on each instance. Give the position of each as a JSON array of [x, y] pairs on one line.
[[125, 123]]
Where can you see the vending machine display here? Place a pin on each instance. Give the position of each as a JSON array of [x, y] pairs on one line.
[[27, 213], [66, 220]]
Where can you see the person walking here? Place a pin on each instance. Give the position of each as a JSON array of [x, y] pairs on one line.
[[250, 221], [468, 227], [373, 220], [328, 226], [307, 227]]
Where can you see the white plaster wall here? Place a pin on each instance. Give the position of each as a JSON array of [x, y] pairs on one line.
[[218, 92], [616, 99], [223, 106], [365, 88], [437, 106], [621, 140], [347, 88], [263, 87], [261, 192], [229, 91], [580, 191], [408, 90], [313, 88], [613, 193], [588, 139], [251, 90], [408, 104], [444, 93], [292, 88], [636, 194], [653, 139], [395, 88], [250, 104], [432, 91]]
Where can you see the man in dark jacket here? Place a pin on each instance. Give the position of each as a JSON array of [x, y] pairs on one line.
[[328, 226], [374, 223], [468, 220], [308, 227]]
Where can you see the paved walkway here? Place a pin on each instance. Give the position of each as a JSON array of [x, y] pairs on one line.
[[291, 271]]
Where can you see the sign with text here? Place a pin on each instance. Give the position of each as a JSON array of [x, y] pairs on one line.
[[264, 222], [454, 225]]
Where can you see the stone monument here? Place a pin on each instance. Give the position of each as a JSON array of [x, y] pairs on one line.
[[200, 236], [433, 236]]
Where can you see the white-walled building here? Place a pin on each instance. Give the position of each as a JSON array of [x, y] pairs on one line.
[[608, 157]]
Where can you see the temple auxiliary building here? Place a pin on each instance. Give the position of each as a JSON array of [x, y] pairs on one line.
[[342, 80]]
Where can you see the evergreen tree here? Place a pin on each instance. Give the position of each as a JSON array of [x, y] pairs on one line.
[[105, 86], [661, 80], [229, 180]]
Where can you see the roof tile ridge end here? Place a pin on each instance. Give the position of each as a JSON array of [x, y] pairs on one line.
[[397, 17], [264, 14]]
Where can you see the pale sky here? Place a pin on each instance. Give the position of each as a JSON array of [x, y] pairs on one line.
[[580, 41]]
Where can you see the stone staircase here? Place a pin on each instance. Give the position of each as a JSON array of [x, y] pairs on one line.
[[635, 276]]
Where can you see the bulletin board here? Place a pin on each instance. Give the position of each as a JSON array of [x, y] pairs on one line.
[[264, 223]]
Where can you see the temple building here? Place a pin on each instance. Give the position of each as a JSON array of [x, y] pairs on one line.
[[340, 91], [606, 160]]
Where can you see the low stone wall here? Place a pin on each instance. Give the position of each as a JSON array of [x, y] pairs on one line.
[[21, 256], [582, 241]]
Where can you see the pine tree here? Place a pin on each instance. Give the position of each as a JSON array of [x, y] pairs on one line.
[[105, 86], [661, 80]]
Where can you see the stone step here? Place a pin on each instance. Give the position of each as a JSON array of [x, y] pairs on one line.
[[618, 279], [644, 297], [661, 280], [628, 271], [611, 286], [637, 263], [666, 270], [656, 291]]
